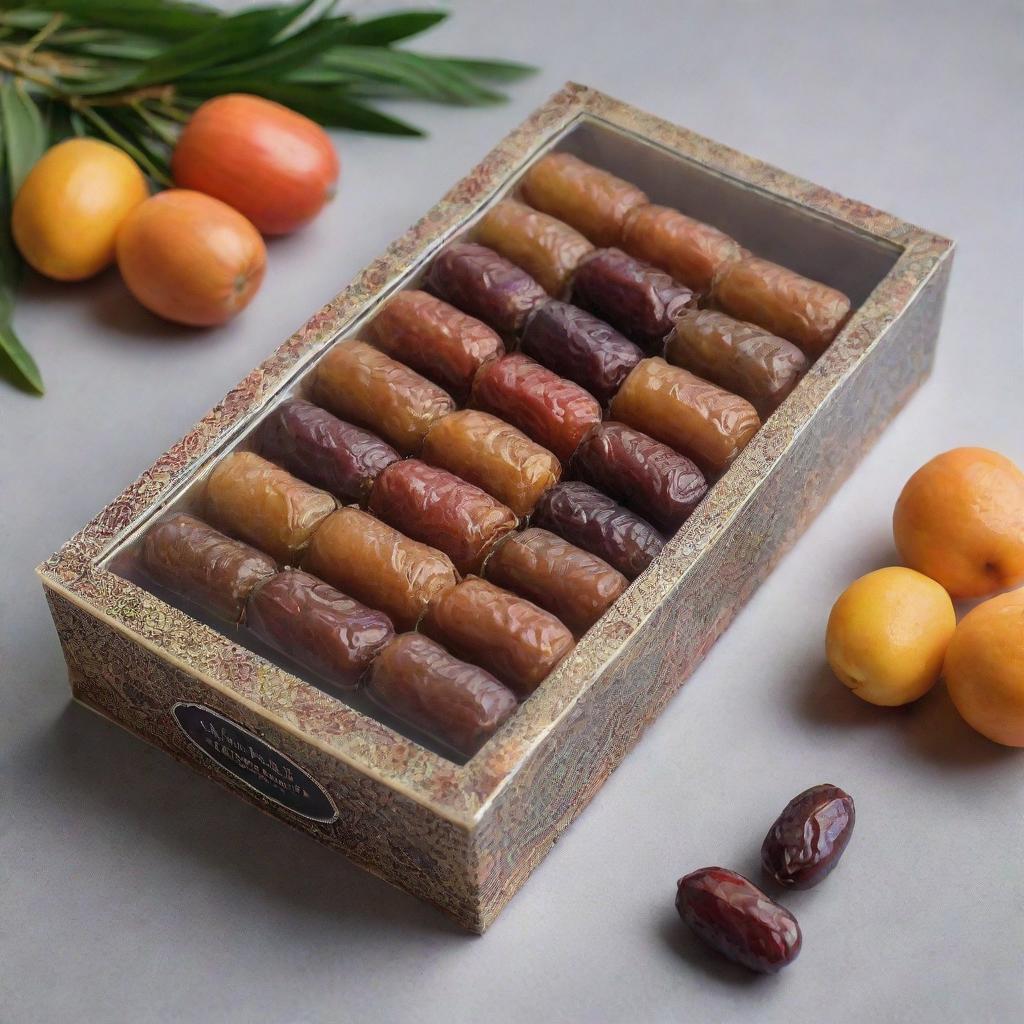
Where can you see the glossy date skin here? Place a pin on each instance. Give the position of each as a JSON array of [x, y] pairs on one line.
[[379, 566], [486, 285], [805, 312], [546, 248], [437, 340], [201, 565], [701, 420], [365, 386], [494, 456], [440, 509], [574, 585], [499, 631], [740, 357], [418, 681], [733, 916], [808, 837], [644, 474], [593, 201], [575, 344], [264, 505], [317, 626], [322, 450], [636, 298], [553, 411], [598, 524]]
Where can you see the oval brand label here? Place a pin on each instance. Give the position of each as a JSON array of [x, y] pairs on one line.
[[253, 761]]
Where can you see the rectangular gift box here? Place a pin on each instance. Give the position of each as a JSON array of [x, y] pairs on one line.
[[466, 836]]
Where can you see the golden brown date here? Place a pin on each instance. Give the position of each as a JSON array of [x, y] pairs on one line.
[[378, 566], [500, 631], [493, 455], [363, 385], [547, 249], [264, 505], [553, 411], [435, 339], [689, 250], [642, 473], [733, 916], [440, 509], [807, 839], [574, 585], [794, 307], [701, 420], [317, 626], [740, 357], [418, 681], [591, 200], [201, 565]]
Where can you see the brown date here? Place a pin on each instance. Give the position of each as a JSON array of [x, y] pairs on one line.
[[733, 916], [808, 837]]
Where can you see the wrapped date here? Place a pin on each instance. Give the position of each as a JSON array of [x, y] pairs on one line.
[[802, 311], [418, 681], [485, 285], [493, 455], [696, 418], [571, 583], [547, 249], [690, 250], [577, 345], [377, 565], [323, 450], [598, 524], [740, 357], [553, 411], [642, 473], [434, 506], [435, 339], [503, 633], [200, 564], [359, 383], [636, 298], [591, 200], [261, 503], [317, 626]]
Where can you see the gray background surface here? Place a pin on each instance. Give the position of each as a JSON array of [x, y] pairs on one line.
[[132, 890]]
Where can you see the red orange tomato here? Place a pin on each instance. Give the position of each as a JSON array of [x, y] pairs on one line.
[[273, 165]]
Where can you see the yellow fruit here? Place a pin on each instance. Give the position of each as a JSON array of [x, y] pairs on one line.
[[984, 669], [69, 208], [960, 520], [887, 635]]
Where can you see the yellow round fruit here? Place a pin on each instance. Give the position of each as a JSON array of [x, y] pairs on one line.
[[984, 668], [887, 635], [68, 210]]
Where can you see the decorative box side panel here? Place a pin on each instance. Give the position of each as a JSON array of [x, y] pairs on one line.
[[388, 834], [587, 744]]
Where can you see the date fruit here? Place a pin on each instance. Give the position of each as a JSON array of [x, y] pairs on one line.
[[553, 411], [360, 383], [435, 339], [418, 681], [733, 916], [434, 506], [591, 200], [808, 837], [264, 505]]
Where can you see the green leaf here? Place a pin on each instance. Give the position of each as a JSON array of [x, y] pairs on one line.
[[17, 364], [490, 70], [24, 132], [389, 28], [164, 19], [152, 164]]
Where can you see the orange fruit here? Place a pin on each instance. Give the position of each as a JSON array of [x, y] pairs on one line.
[[190, 258], [68, 210], [887, 635], [960, 520], [984, 668], [272, 164]]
